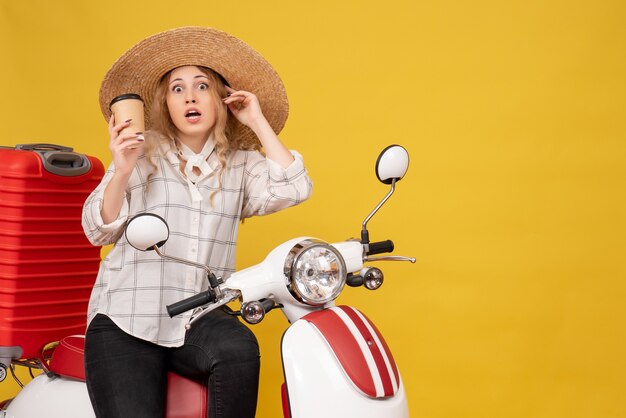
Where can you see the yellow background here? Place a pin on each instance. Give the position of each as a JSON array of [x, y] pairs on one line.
[[514, 115]]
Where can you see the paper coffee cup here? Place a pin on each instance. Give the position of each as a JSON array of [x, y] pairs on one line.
[[128, 106]]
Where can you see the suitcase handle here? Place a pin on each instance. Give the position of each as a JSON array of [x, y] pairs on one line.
[[43, 147], [58, 159]]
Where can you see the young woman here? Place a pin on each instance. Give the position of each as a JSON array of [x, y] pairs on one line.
[[212, 102]]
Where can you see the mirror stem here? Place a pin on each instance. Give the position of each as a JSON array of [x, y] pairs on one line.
[[212, 279], [365, 239]]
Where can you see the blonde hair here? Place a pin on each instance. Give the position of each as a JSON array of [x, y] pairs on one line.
[[164, 130]]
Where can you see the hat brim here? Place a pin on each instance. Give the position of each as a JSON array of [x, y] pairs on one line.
[[140, 68]]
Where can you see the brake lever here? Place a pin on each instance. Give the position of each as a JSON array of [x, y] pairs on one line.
[[227, 296], [390, 258]]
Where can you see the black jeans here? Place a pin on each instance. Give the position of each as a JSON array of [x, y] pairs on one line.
[[127, 376]]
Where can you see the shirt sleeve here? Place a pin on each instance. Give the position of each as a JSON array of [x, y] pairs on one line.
[[269, 187], [97, 232]]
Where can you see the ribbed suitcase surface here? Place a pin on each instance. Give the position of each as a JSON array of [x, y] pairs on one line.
[[47, 266]]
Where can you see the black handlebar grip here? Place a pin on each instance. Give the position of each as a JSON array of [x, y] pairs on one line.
[[189, 303], [380, 247]]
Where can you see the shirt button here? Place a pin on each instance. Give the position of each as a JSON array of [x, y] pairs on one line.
[[193, 250]]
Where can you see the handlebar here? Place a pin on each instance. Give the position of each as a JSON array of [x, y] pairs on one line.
[[380, 247], [190, 303]]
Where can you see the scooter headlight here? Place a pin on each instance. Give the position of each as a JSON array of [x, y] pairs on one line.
[[315, 271]]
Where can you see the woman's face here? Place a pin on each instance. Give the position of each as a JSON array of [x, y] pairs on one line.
[[191, 104]]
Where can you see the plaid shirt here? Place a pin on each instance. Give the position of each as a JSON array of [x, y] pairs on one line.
[[133, 287]]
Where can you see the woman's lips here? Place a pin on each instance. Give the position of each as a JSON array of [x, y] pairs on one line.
[[193, 116]]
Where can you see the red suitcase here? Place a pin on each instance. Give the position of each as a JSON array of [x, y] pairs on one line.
[[47, 266]]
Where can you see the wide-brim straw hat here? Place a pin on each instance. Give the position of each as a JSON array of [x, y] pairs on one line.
[[140, 68]]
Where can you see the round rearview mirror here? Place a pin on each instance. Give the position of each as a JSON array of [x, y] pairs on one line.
[[146, 230], [392, 164]]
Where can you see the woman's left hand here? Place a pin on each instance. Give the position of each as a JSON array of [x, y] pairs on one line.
[[244, 106]]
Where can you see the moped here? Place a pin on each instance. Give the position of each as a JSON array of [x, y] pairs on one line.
[[335, 361]]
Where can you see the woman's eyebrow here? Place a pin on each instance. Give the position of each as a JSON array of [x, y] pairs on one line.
[[198, 76]]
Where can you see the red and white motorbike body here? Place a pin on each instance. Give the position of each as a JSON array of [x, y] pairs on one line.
[[335, 361]]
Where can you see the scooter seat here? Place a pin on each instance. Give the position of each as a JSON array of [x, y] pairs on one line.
[[67, 359], [185, 398]]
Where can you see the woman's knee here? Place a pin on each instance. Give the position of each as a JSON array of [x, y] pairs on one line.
[[217, 342], [235, 344], [241, 344]]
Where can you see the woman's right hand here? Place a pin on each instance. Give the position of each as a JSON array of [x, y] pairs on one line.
[[125, 147]]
